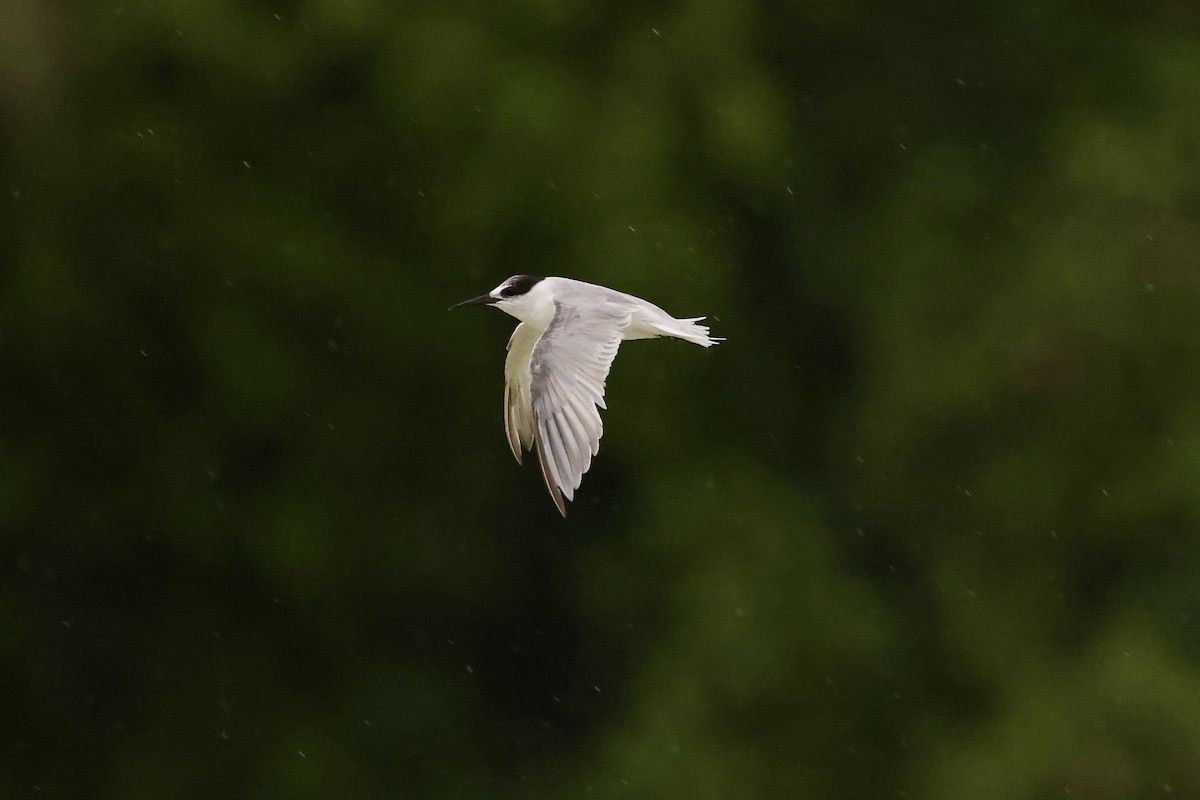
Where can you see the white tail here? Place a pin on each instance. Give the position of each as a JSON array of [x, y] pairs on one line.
[[689, 330]]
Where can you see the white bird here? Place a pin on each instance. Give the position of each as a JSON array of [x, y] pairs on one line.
[[558, 360]]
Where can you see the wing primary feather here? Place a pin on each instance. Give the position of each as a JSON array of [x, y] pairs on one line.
[[578, 431], [562, 458], [587, 421], [587, 418], [546, 436], [555, 494], [519, 425], [566, 431], [574, 463], [510, 426]]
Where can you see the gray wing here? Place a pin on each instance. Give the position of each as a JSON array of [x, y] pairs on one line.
[[568, 368]]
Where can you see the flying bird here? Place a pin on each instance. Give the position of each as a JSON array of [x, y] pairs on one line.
[[558, 359]]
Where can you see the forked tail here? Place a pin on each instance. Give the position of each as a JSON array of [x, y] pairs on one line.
[[690, 330]]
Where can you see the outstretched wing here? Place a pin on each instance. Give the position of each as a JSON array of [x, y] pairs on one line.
[[568, 368], [519, 427]]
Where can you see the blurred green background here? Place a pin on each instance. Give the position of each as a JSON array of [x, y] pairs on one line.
[[924, 527]]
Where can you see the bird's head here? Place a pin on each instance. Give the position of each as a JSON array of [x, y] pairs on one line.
[[511, 297]]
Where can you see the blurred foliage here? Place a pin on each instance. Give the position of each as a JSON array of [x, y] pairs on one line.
[[925, 526]]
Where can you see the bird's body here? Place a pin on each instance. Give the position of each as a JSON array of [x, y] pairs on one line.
[[558, 361]]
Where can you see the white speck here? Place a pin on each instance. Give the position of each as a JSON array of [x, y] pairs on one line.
[[1104, 492], [960, 81], [964, 491], [420, 193], [66, 624], [597, 688], [246, 164], [789, 190], [278, 17], [633, 229], [224, 735], [902, 146], [301, 752], [367, 722], [143, 352], [1053, 534], [470, 669], [655, 31]]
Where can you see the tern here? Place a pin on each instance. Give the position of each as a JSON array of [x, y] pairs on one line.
[[558, 360]]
